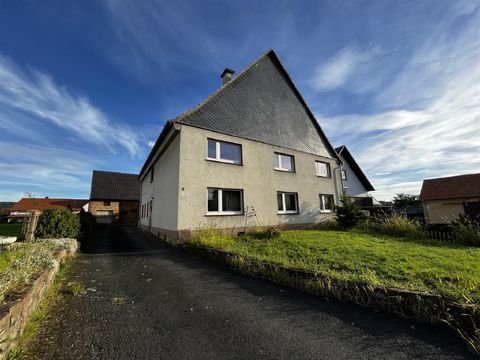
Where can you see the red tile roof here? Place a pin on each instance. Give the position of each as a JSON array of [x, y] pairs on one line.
[[43, 204], [455, 187]]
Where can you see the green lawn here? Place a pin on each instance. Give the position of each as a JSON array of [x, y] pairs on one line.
[[18, 263], [449, 270], [10, 229]]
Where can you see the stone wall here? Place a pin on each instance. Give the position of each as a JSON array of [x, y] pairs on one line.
[[15, 312]]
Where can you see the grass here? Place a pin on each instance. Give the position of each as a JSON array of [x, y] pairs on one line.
[[452, 271], [19, 262], [10, 229]]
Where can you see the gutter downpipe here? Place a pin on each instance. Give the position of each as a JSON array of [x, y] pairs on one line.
[[335, 181]]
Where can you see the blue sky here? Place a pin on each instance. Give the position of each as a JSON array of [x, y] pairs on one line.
[[89, 84]]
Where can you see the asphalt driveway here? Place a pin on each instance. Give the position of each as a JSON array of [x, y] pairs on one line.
[[147, 301]]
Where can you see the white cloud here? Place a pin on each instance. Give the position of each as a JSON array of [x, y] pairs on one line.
[[35, 93], [346, 64], [399, 148], [163, 38], [45, 170]]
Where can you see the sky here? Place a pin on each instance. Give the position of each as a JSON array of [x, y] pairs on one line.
[[89, 84]]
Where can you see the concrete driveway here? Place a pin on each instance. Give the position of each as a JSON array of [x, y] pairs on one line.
[[147, 301]]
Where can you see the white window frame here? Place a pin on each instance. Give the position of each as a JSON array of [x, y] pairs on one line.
[[329, 169], [218, 153], [322, 203], [284, 206], [220, 202], [344, 174], [280, 167]]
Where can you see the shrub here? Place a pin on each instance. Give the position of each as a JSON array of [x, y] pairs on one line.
[[467, 230], [397, 225], [58, 223], [348, 214]]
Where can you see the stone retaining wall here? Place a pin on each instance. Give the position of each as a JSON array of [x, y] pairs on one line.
[[15, 313]]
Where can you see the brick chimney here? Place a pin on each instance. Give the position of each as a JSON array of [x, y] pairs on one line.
[[227, 75]]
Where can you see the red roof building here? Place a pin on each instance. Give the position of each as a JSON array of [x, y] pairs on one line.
[[446, 198], [21, 209]]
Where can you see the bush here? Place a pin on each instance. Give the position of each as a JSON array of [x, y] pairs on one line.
[[348, 214], [397, 225], [58, 223], [467, 230]]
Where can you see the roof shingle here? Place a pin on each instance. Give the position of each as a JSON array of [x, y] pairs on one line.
[[455, 187], [262, 104], [108, 185], [27, 204]]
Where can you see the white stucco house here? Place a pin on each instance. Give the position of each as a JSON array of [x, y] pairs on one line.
[[251, 154], [355, 183]]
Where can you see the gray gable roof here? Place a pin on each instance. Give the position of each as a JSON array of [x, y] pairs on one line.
[[262, 104], [108, 185]]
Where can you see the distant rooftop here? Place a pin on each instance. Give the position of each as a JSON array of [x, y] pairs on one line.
[[454, 187], [108, 185], [27, 204]]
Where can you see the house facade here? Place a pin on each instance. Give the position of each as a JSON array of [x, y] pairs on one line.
[[22, 209], [444, 199], [114, 197], [355, 183], [252, 154]]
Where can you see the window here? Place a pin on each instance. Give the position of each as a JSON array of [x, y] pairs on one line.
[[224, 151], [322, 169], [283, 162], [344, 174], [287, 203], [326, 203], [104, 212], [152, 174], [106, 203], [224, 201]]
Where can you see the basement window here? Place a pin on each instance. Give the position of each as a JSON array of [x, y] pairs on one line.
[[287, 203], [224, 201], [322, 169], [224, 151], [326, 203], [283, 162]]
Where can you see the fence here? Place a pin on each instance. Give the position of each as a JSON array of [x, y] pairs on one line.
[[440, 233]]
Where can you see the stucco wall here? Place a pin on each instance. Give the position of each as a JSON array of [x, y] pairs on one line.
[[443, 211], [163, 191], [353, 186], [258, 179]]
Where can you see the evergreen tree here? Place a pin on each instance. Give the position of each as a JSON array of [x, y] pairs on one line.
[[348, 213]]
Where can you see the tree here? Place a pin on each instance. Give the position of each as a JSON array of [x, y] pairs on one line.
[[348, 214], [406, 200]]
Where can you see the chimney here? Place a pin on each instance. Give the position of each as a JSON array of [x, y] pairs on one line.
[[227, 75]]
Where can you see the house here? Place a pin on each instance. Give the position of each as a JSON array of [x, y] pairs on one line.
[[251, 154], [445, 198], [355, 183], [21, 210], [114, 197]]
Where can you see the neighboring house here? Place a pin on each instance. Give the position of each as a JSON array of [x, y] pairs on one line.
[[355, 183], [445, 198], [250, 154], [21, 210], [114, 197]]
